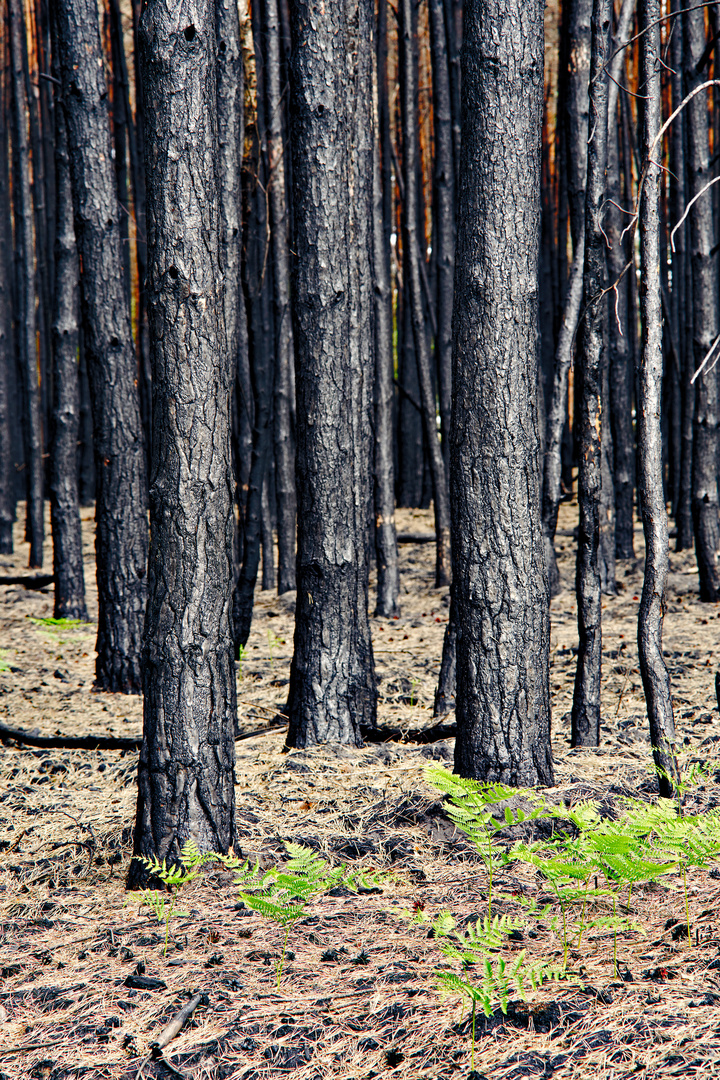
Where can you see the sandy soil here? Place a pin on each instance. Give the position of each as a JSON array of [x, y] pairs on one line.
[[358, 997]]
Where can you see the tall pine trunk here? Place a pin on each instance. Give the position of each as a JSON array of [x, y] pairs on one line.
[[656, 680], [332, 681], [586, 700], [706, 321], [415, 245], [121, 536], [7, 337], [64, 476], [185, 774], [25, 286], [284, 348], [500, 586]]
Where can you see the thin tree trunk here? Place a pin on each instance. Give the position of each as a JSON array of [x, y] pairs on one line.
[[7, 340], [621, 357], [25, 285], [656, 680], [231, 139], [386, 552], [332, 680], [64, 497], [122, 534], [447, 682], [87, 449], [500, 583], [576, 128], [266, 536], [121, 119], [706, 323], [444, 203], [455, 78], [259, 275], [586, 700], [415, 296], [678, 299], [185, 774], [284, 346]]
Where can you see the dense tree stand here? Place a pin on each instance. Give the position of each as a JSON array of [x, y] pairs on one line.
[[185, 775], [121, 534], [332, 680], [500, 588]]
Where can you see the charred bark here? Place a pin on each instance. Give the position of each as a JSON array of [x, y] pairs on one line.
[[500, 584], [386, 553], [414, 247], [705, 509], [575, 121], [25, 285], [332, 680], [286, 501], [185, 774], [656, 680], [121, 535], [586, 700], [444, 203], [64, 494], [7, 339]]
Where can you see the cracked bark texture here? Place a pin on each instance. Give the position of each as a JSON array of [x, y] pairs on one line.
[[185, 773], [500, 588], [655, 677], [121, 520], [25, 285], [332, 681], [7, 338], [286, 500], [64, 473], [586, 699], [705, 508], [414, 245]]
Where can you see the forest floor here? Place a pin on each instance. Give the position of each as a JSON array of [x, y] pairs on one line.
[[358, 995]]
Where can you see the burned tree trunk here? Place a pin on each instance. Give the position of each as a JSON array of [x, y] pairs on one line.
[[414, 296], [185, 774], [25, 285], [286, 501], [64, 478], [121, 534], [332, 681], [706, 320], [386, 552], [500, 587], [656, 680], [586, 700], [7, 340]]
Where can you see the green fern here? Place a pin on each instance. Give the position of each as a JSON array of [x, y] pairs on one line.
[[173, 878]]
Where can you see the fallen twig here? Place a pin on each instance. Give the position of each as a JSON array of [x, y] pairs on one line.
[[69, 742], [177, 1023]]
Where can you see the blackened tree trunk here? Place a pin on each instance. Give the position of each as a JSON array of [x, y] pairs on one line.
[[680, 300], [706, 320], [259, 283], [25, 284], [446, 687], [185, 774], [656, 680], [7, 340], [621, 357], [231, 138], [286, 500], [586, 700], [121, 118], [415, 245], [332, 681], [444, 201], [121, 520], [575, 122], [500, 584], [64, 494], [386, 552]]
